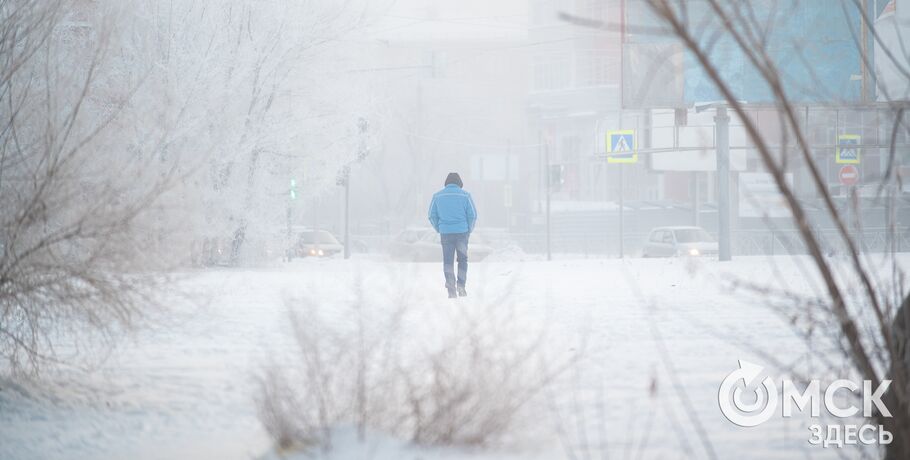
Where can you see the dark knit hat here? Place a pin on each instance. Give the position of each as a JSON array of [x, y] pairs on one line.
[[454, 178]]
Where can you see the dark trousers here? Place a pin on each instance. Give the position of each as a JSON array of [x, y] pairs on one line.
[[452, 244]]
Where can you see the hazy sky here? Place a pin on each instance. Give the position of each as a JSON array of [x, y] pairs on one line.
[[447, 20]]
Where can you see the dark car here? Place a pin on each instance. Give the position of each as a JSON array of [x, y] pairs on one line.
[[423, 245], [679, 241], [316, 243]]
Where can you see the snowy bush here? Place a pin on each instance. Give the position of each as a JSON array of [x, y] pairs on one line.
[[384, 368], [282, 414]]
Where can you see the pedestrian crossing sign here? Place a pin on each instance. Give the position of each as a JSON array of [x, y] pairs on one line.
[[848, 150], [621, 147]]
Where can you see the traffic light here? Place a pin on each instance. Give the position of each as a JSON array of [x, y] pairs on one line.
[[293, 189], [341, 179], [557, 175]]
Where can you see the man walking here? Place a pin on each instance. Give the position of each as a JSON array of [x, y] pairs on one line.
[[452, 214]]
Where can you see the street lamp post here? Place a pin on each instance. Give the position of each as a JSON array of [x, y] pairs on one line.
[[292, 196], [722, 159], [546, 150], [347, 212], [722, 152]]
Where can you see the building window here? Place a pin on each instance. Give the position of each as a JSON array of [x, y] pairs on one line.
[[438, 62], [538, 12], [570, 149], [595, 67], [551, 72]]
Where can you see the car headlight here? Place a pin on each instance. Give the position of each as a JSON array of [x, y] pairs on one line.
[[321, 253], [312, 252], [693, 252]]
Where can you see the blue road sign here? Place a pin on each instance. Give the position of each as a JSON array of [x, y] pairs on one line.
[[621, 147], [847, 149]]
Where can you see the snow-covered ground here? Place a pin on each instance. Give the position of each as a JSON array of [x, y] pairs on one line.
[[185, 388]]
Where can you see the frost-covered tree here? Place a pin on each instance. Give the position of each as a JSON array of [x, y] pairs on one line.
[[130, 132], [266, 95]]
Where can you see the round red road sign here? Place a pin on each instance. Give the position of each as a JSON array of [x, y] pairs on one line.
[[849, 175]]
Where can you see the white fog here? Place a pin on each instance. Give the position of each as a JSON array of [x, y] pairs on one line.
[[472, 230]]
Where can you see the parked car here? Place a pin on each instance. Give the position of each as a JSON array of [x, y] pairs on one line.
[[240, 248], [424, 245], [679, 242], [316, 243], [213, 251]]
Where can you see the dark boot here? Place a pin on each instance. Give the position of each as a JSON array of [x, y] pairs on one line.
[[452, 294], [462, 292]]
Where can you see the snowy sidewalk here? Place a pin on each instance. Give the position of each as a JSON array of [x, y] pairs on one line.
[[185, 390]]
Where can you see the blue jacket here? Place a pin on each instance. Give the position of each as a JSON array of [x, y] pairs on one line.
[[452, 210]]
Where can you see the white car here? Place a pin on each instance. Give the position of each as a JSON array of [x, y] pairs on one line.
[[679, 242], [316, 243]]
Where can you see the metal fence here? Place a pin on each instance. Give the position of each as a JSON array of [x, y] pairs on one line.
[[606, 244], [757, 242], [743, 242], [584, 243]]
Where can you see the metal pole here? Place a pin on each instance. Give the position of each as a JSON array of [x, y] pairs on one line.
[[290, 243], [695, 209], [508, 209], [546, 150], [539, 161], [620, 211], [864, 49], [347, 214], [722, 154]]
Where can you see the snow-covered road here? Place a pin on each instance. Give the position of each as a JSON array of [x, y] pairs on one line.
[[185, 389]]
